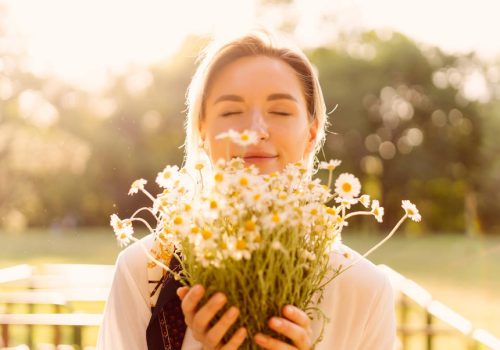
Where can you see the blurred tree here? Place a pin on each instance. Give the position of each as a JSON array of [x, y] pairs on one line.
[[396, 123], [404, 122]]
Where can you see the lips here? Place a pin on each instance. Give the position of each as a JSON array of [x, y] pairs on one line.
[[259, 155]]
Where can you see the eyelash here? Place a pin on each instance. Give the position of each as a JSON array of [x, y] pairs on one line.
[[230, 113]]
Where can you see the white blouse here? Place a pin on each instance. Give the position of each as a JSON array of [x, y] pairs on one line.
[[359, 303]]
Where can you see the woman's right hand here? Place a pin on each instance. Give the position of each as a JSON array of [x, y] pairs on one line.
[[198, 319]]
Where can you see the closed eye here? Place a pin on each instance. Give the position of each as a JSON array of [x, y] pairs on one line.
[[229, 113], [280, 113]]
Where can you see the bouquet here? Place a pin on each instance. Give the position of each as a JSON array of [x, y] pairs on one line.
[[264, 240]]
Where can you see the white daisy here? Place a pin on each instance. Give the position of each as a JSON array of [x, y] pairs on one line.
[[245, 138], [346, 202], [136, 186], [230, 134], [168, 176], [365, 200], [123, 229], [347, 185], [377, 210], [331, 165], [411, 210]]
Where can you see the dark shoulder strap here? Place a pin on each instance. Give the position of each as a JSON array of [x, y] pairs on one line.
[[166, 328]]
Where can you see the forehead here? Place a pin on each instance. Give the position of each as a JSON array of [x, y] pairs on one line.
[[254, 77]]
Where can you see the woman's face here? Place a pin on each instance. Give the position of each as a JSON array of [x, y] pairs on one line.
[[262, 94]]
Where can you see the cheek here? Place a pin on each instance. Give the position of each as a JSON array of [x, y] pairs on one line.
[[292, 139], [221, 148]]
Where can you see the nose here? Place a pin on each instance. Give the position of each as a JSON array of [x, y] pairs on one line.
[[259, 125]]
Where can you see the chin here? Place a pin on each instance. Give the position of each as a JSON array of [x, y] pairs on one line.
[[263, 170]]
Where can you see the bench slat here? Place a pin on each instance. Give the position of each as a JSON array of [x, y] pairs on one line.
[[74, 319]]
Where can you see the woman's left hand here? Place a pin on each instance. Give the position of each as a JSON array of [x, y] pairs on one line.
[[296, 326]]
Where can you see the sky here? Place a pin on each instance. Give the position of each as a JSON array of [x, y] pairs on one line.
[[84, 40]]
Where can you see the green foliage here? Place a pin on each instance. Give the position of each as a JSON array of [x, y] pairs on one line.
[[394, 127]]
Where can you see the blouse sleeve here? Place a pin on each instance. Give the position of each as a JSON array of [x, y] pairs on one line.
[[380, 330], [126, 314]]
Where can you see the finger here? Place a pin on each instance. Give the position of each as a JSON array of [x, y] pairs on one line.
[[215, 334], [297, 316], [190, 302], [182, 291], [236, 340], [205, 314], [298, 334], [270, 343]]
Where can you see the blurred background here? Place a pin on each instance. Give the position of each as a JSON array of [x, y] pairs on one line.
[[92, 97]]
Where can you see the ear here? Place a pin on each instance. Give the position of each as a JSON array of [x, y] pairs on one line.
[[201, 130], [313, 132]]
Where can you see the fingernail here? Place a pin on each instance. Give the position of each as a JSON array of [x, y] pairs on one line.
[[276, 322], [290, 309], [232, 312], [219, 298], [243, 332], [260, 339]]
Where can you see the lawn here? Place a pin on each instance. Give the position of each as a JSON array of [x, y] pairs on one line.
[[460, 271]]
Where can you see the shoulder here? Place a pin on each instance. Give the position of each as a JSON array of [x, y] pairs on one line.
[[364, 279], [133, 259]]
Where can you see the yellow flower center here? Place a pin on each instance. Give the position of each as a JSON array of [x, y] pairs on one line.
[[167, 174], [178, 220], [276, 217], [195, 229], [206, 234], [123, 236], [241, 244], [249, 225], [213, 204], [219, 177], [243, 181], [331, 211], [346, 187], [198, 166], [245, 137]]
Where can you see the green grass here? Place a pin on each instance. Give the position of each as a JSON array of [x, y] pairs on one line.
[[462, 272]]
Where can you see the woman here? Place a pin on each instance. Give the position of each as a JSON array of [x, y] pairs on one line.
[[251, 82]]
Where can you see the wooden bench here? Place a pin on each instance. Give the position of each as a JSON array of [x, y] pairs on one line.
[[16, 275], [76, 320], [58, 285]]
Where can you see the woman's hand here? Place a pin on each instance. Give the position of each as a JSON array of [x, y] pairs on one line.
[[296, 326], [198, 319]]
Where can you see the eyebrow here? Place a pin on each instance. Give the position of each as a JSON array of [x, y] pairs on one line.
[[236, 98]]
